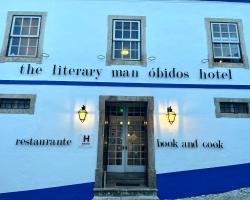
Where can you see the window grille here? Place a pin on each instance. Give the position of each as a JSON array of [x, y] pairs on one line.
[[234, 107], [24, 36], [126, 40], [226, 42], [11, 103]]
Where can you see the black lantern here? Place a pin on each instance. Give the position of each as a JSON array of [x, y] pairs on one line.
[[82, 113], [171, 115]]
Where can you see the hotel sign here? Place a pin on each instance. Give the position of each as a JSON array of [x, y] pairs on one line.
[[153, 73]]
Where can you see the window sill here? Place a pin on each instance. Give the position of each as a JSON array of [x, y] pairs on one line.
[[213, 64], [37, 60]]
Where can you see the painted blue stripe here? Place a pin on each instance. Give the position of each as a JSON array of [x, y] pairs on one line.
[[170, 185], [70, 192], [118, 84], [203, 181], [236, 1]]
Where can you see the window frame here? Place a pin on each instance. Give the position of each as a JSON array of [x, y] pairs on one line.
[[211, 59], [30, 110], [142, 47], [4, 56], [220, 114]]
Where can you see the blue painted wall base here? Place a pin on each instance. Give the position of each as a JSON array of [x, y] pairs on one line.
[[170, 185], [203, 181]]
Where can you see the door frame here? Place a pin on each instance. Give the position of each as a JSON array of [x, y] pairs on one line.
[[125, 167], [150, 167]]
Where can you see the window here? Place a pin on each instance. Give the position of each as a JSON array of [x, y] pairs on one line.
[[17, 103], [232, 107], [126, 43], [226, 43], [24, 37]]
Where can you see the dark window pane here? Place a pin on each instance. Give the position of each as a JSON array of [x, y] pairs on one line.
[[34, 22], [17, 30], [126, 45], [232, 28], [216, 28], [226, 50], [26, 22], [135, 26], [118, 45], [25, 31], [118, 25], [217, 35], [117, 54], [225, 35], [134, 34], [32, 51], [134, 54], [137, 162], [15, 41], [112, 161], [118, 154], [33, 42], [126, 56], [111, 154], [217, 51], [24, 42], [224, 28], [118, 162], [33, 31], [235, 50], [118, 34], [18, 21], [233, 36], [126, 25], [14, 51], [22, 50], [126, 34], [134, 45]]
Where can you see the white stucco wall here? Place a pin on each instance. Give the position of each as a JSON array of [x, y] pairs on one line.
[[75, 34]]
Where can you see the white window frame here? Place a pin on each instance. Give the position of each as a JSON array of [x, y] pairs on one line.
[[214, 61], [5, 53], [110, 57], [12, 35], [127, 40], [220, 114], [228, 41]]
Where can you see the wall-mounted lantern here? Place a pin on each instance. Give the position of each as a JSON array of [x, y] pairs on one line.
[[171, 115], [82, 113]]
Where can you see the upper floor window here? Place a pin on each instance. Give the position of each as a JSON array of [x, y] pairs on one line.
[[232, 107], [24, 37], [126, 40], [226, 43]]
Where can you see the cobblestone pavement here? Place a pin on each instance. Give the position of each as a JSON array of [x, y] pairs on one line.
[[241, 194]]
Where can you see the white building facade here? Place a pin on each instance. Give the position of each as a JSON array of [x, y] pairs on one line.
[[165, 90]]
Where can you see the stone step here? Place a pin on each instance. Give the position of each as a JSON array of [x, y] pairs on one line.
[[128, 175], [128, 198], [126, 182], [125, 192], [125, 179]]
